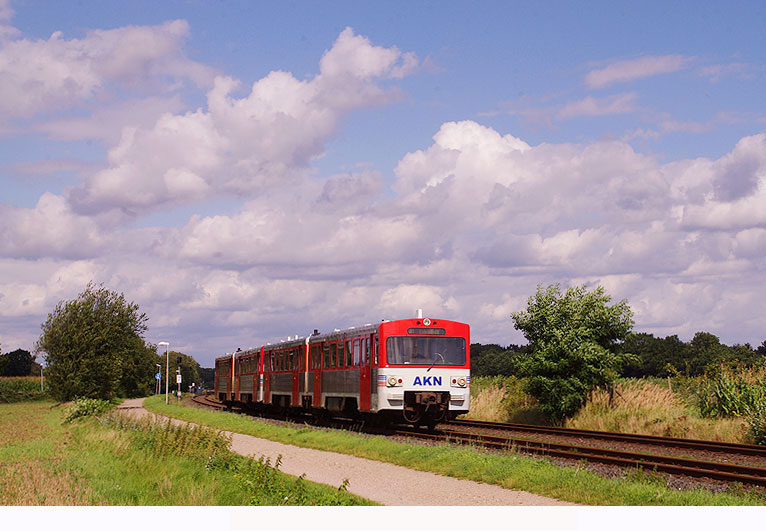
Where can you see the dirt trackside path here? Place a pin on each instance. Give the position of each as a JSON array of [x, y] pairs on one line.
[[381, 482]]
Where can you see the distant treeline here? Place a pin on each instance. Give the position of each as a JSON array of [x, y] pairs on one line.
[[657, 356]]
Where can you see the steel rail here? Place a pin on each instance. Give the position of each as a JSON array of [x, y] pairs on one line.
[[696, 444], [205, 401], [672, 465]]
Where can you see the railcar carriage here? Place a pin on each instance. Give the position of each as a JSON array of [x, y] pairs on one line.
[[415, 371]]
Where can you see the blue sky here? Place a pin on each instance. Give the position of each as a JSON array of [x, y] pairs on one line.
[[246, 171]]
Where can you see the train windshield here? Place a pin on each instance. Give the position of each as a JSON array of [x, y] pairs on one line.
[[425, 351]]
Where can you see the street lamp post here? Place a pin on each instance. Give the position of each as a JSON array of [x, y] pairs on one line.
[[167, 368], [42, 385], [159, 381]]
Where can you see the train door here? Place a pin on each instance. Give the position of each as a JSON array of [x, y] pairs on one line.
[[296, 355], [365, 345]]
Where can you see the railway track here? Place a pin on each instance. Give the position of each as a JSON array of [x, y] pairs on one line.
[[653, 462], [203, 400], [665, 442], [698, 468]]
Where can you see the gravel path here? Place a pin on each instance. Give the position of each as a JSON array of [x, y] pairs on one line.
[[381, 482]]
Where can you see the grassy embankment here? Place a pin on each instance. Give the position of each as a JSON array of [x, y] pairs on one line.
[[649, 407], [46, 461], [510, 471]]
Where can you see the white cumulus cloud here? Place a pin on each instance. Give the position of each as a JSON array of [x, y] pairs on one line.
[[243, 145]]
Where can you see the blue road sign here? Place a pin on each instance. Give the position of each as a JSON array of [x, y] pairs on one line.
[[158, 376]]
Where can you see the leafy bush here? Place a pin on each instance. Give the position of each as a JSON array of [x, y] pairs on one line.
[[86, 407], [21, 389], [573, 338]]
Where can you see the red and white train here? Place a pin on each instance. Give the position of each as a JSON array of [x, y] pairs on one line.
[[415, 371]]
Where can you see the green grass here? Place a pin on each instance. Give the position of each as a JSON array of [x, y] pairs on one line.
[[510, 471], [45, 460], [20, 389]]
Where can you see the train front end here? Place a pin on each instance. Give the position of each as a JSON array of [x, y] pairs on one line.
[[423, 374]]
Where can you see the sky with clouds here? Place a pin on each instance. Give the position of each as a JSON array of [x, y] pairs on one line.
[[248, 171]]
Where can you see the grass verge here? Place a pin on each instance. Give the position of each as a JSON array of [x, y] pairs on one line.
[[509, 471], [116, 461]]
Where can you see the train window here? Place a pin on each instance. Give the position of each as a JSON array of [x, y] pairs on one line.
[[315, 356], [366, 350], [341, 354], [375, 351], [357, 353], [333, 354], [349, 355], [326, 355], [425, 350]]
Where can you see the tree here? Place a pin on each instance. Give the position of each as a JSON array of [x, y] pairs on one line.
[[573, 341], [706, 352], [190, 370], [18, 363], [494, 360], [95, 347], [207, 376], [654, 355]]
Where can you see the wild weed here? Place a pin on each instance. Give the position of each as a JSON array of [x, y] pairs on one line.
[[269, 486], [161, 439], [640, 406], [86, 407], [502, 399]]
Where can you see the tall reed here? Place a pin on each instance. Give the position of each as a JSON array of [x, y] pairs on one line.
[[640, 406]]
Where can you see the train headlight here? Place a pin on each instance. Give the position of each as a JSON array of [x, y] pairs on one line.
[[392, 381], [459, 382]]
